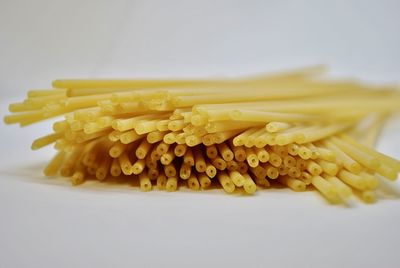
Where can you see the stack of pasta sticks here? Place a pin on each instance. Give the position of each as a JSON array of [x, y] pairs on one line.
[[295, 129]]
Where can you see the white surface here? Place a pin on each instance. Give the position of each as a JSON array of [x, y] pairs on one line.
[[45, 39], [46, 223]]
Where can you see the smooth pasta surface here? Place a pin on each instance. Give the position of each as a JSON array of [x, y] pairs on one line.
[[294, 129]]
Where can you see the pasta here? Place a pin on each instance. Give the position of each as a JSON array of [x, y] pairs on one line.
[[296, 129]]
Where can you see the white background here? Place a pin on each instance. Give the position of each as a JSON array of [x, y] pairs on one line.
[[46, 223]]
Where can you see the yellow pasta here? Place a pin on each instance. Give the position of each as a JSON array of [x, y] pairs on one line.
[[145, 183], [193, 140], [325, 188], [305, 177], [226, 182], [232, 165], [117, 149], [294, 184], [262, 154], [249, 141], [242, 167], [204, 181], [176, 125], [46, 140], [304, 152], [353, 180], [212, 151], [161, 182], [328, 167], [342, 189], [143, 149], [102, 171], [170, 138], [237, 178], [259, 172], [264, 139], [69, 164], [172, 184], [261, 116], [185, 171], [145, 126], [79, 175], [211, 171], [313, 168], [162, 148], [52, 168], [273, 127], [153, 173], [200, 163], [361, 157], [156, 136], [180, 150], [150, 162], [348, 162], [138, 166], [249, 185], [272, 172], [395, 164], [125, 163], [289, 161], [293, 172], [193, 183], [219, 163], [154, 155], [251, 157], [262, 182], [115, 169], [292, 149], [168, 157], [367, 196], [240, 153], [295, 128], [275, 159], [162, 125], [314, 151], [208, 139], [223, 136], [225, 152], [241, 138], [188, 158], [170, 170], [372, 181]]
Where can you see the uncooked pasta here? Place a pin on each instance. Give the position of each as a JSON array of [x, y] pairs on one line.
[[295, 129]]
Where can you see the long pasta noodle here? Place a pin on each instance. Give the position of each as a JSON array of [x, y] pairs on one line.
[[295, 129]]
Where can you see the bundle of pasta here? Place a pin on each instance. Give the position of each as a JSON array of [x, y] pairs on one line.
[[294, 129]]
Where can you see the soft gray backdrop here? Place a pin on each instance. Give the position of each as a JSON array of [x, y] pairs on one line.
[[47, 39]]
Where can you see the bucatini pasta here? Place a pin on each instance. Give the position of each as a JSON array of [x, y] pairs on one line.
[[296, 129]]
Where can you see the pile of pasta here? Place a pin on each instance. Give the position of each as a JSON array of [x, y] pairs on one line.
[[294, 129]]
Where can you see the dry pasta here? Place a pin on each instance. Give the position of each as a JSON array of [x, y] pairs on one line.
[[296, 129]]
